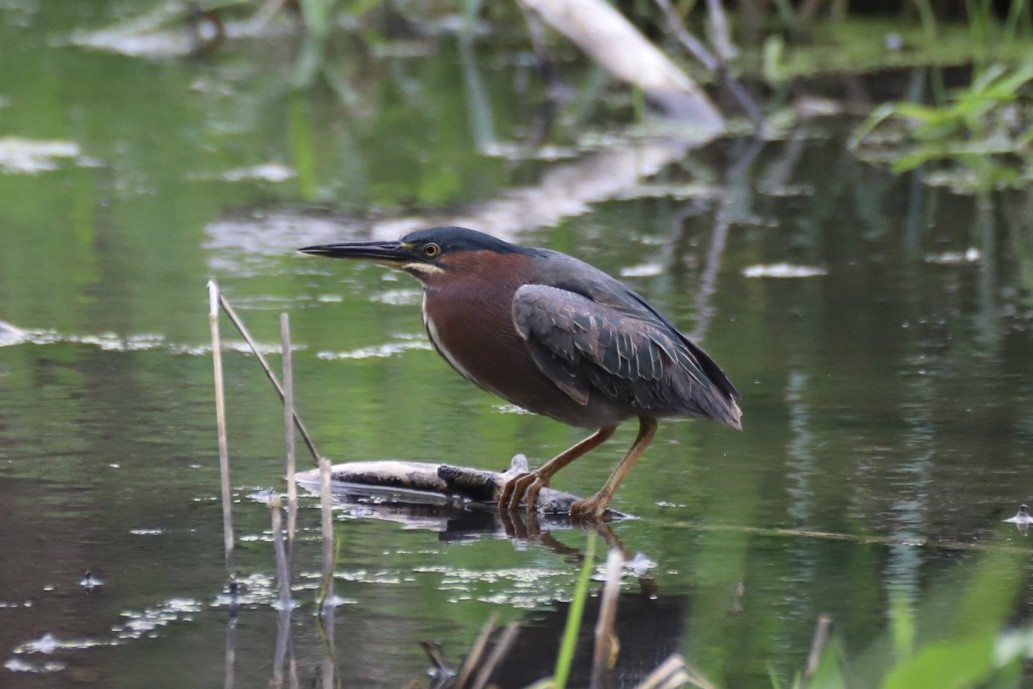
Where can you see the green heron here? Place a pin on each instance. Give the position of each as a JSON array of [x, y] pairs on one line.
[[555, 336]]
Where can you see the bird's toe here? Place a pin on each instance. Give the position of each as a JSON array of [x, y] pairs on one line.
[[522, 488], [589, 509]]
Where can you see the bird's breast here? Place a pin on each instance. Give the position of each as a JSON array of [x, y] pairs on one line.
[[471, 326]]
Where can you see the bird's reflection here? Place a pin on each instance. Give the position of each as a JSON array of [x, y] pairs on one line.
[[458, 520], [1022, 519], [649, 628]]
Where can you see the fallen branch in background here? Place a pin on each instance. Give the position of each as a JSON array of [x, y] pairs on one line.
[[716, 64], [597, 28]]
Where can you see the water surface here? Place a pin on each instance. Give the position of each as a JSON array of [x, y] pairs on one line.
[[878, 328]]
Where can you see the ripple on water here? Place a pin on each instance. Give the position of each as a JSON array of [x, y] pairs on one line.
[[141, 623], [521, 586]]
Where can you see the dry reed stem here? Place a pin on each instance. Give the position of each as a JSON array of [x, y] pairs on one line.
[[476, 652], [822, 632], [214, 298], [242, 329], [327, 527], [288, 423], [502, 646], [282, 570]]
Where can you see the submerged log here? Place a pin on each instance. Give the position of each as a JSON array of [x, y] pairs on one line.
[[430, 483]]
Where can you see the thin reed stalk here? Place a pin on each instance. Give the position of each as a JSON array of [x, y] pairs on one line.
[[328, 665], [288, 427], [229, 663], [473, 660], [242, 329], [501, 649], [327, 527], [565, 658], [283, 573], [214, 298], [672, 673]]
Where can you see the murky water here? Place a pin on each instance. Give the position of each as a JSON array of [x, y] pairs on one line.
[[879, 329]]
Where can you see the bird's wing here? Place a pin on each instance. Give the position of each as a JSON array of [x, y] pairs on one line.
[[603, 289], [586, 347]]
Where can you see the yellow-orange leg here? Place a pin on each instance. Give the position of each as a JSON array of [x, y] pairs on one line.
[[595, 506], [527, 486]]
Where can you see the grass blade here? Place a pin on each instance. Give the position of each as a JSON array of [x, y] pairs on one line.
[[573, 626]]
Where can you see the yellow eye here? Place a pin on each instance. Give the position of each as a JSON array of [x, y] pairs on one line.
[[431, 250]]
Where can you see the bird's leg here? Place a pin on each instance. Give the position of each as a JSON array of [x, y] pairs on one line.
[[595, 506], [527, 486]]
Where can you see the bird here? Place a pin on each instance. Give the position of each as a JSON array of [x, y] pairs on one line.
[[555, 336]]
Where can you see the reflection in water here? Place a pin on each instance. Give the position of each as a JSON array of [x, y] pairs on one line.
[[736, 202], [329, 665], [564, 190], [649, 628], [230, 657], [912, 480], [1022, 519], [801, 470], [875, 393]]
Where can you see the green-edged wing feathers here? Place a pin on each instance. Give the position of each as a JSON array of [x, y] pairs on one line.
[[636, 357]]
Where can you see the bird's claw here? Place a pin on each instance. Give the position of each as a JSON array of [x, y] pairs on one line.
[[522, 487], [589, 509]]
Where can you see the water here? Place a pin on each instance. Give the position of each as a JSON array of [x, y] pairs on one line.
[[879, 329]]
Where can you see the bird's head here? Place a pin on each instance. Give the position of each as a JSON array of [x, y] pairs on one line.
[[435, 253]]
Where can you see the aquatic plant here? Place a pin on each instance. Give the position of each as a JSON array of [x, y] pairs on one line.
[[984, 132]]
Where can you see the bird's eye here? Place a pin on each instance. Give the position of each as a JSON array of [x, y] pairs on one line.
[[431, 250]]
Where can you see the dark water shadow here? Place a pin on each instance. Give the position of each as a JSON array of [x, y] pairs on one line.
[[649, 629]]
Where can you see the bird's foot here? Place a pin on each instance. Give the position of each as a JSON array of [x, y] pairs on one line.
[[522, 487], [589, 509]]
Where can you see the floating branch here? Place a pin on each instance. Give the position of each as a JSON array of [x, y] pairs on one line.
[[596, 27]]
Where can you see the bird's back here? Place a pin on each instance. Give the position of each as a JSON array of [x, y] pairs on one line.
[[596, 337]]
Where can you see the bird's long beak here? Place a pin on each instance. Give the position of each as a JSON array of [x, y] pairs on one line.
[[391, 253]]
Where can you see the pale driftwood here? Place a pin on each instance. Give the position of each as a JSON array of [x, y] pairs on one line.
[[617, 46], [430, 483]]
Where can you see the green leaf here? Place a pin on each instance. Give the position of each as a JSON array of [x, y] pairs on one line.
[[902, 625], [877, 117], [577, 608], [991, 594], [919, 156], [955, 664]]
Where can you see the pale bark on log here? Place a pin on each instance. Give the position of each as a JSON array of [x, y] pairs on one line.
[[428, 482], [618, 47]]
